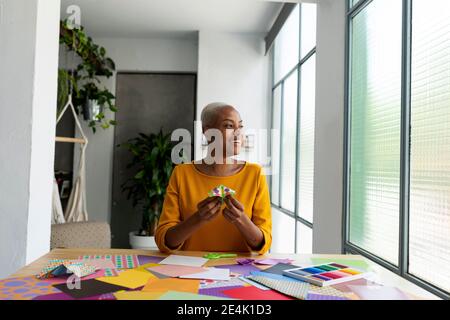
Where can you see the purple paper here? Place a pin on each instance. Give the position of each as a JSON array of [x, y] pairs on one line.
[[217, 292], [272, 262], [149, 259], [245, 261], [245, 270], [63, 296], [314, 296]]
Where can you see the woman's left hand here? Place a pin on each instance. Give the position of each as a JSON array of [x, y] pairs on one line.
[[234, 212]]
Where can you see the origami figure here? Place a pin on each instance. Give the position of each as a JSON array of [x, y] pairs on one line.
[[221, 191]]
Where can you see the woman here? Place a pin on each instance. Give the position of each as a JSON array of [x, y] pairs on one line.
[[192, 221]]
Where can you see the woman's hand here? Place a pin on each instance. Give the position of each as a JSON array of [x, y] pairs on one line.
[[234, 212], [208, 208]]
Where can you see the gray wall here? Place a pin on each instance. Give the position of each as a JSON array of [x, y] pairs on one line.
[[329, 137]]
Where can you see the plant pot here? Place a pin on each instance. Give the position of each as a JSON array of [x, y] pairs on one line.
[[142, 242], [91, 109]]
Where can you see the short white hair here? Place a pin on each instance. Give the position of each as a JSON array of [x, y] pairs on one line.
[[209, 113]]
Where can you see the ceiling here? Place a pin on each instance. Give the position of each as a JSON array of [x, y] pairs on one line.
[[147, 18]]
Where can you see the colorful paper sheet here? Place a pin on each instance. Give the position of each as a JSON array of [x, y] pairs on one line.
[[24, 288], [245, 261], [144, 267], [64, 296], [253, 293], [327, 291], [279, 268], [89, 288], [163, 285], [96, 274], [211, 274], [358, 282], [131, 279], [184, 261], [297, 290], [137, 295], [221, 191], [315, 296], [176, 270], [274, 276], [217, 291], [253, 283], [158, 275], [244, 270], [234, 282], [271, 261], [98, 263], [149, 259], [59, 267], [378, 293], [121, 261], [178, 295]]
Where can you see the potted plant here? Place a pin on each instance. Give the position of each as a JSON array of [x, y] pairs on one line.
[[89, 98], [152, 166]]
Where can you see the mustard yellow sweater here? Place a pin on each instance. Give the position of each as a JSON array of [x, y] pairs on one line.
[[188, 186]]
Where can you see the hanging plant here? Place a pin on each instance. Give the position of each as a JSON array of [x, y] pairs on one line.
[[88, 97]]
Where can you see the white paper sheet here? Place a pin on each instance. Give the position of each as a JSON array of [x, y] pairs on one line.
[[184, 261], [210, 274]]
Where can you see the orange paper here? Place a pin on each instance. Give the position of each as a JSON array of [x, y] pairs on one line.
[[163, 285]]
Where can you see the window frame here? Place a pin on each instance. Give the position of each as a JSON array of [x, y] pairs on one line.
[[280, 84], [405, 138]]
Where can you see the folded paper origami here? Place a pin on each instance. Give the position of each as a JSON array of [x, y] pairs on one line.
[[221, 191], [60, 267]]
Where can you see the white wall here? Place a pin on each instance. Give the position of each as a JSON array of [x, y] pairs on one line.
[[232, 68], [329, 137], [140, 55], [28, 83]]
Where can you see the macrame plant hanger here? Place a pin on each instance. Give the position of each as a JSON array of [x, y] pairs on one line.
[[76, 207]]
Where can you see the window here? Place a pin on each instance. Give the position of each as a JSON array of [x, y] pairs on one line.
[[398, 148], [375, 129], [429, 206], [288, 142], [293, 116]]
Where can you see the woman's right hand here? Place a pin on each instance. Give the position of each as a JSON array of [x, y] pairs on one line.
[[209, 208]]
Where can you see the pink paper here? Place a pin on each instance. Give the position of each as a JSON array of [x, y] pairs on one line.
[[378, 293]]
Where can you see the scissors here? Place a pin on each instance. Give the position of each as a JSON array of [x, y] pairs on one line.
[[219, 255]]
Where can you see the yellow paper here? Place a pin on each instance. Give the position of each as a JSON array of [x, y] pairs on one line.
[[144, 267], [172, 284], [130, 279], [137, 295]]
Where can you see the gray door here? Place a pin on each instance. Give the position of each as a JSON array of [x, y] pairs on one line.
[[147, 103]]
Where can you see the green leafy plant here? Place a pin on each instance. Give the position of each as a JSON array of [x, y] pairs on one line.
[[85, 78], [152, 166]]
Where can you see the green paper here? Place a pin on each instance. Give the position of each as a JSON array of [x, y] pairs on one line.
[[176, 295], [355, 263]]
